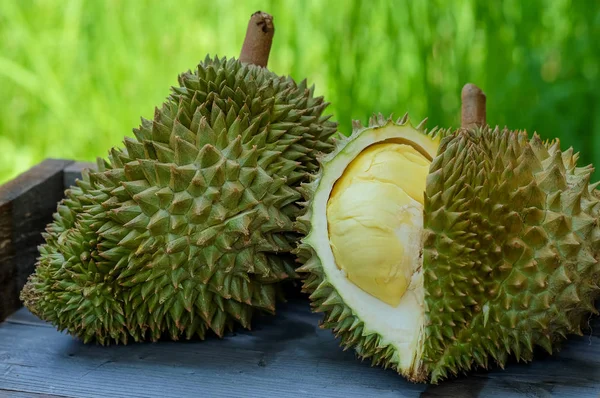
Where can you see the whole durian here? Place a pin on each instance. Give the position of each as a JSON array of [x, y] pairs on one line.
[[435, 252], [189, 226]]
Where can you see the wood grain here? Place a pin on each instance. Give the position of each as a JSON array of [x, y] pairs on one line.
[[284, 356], [19, 394], [26, 206]]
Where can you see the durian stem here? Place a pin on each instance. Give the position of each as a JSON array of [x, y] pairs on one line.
[[473, 107], [259, 36]]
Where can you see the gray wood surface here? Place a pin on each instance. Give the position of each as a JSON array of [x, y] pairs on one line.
[[26, 206], [284, 356]]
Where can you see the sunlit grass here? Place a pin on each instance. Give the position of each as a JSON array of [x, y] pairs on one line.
[[76, 76]]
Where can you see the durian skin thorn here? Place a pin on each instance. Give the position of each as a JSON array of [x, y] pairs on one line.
[[258, 40], [473, 109]]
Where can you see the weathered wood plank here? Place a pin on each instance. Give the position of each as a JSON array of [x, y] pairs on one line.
[[284, 356], [24, 317], [26, 206], [19, 394], [73, 172]]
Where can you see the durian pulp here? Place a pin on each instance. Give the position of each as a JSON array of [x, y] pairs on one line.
[[375, 224]]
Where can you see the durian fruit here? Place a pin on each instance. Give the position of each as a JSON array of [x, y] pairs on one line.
[[189, 227], [437, 252]]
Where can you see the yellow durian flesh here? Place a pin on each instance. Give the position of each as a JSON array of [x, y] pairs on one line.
[[373, 233]]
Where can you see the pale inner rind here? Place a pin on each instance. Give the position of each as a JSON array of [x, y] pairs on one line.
[[401, 326]]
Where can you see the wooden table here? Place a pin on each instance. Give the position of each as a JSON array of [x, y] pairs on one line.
[[284, 356]]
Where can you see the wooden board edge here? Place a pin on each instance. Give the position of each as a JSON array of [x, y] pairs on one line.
[[27, 203]]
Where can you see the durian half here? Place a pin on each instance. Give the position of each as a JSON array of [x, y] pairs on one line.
[[436, 252]]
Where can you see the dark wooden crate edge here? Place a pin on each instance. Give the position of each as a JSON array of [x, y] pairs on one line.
[[27, 203]]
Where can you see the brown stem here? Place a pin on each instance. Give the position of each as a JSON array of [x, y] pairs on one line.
[[259, 37], [473, 106]]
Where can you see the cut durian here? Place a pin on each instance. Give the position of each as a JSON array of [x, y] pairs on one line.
[[498, 233], [377, 205]]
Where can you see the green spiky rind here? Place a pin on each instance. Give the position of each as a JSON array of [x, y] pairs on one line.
[[512, 249], [324, 297], [188, 228], [516, 168], [338, 317]]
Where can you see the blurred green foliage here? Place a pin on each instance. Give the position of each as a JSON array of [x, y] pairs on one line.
[[75, 76]]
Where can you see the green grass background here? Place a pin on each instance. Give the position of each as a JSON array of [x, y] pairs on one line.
[[75, 76]]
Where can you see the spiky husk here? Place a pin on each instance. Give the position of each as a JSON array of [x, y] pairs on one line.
[[511, 254], [186, 228]]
